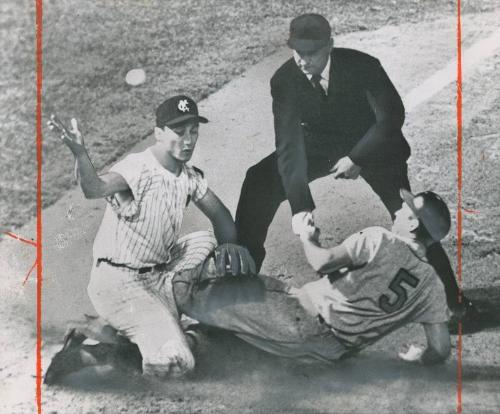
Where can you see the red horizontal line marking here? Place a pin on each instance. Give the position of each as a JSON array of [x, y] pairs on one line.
[[15, 236]]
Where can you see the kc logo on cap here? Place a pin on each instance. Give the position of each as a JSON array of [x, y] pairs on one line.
[[177, 110], [183, 105]]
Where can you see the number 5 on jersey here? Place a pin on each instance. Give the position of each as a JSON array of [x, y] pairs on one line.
[[397, 287]]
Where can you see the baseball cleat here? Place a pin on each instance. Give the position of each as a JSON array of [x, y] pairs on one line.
[[67, 360], [469, 317]]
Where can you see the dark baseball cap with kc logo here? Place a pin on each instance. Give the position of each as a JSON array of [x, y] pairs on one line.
[[177, 110]]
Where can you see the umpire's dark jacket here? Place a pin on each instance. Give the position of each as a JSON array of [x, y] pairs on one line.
[[361, 117]]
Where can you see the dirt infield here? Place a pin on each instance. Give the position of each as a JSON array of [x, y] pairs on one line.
[[230, 376]]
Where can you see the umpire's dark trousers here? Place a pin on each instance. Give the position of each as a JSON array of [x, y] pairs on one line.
[[262, 193]]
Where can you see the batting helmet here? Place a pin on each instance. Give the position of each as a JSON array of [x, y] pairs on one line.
[[431, 210]]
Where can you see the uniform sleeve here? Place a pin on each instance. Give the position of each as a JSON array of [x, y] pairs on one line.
[[135, 174], [198, 184], [363, 246], [290, 148], [389, 112], [433, 308]]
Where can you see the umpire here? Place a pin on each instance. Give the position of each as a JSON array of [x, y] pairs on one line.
[[335, 111]]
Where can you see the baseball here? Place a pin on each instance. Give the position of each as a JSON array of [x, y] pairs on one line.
[[135, 77]]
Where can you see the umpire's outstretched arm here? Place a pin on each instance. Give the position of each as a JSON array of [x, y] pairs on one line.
[[389, 112]]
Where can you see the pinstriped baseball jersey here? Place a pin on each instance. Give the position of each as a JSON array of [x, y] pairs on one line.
[[139, 231], [389, 286]]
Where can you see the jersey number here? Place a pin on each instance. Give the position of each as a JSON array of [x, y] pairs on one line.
[[396, 286]]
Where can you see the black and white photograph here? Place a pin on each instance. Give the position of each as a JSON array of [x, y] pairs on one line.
[[215, 206]]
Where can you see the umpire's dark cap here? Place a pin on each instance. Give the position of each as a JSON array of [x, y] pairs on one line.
[[309, 32], [432, 212], [177, 110]]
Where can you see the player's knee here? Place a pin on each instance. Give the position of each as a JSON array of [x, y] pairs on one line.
[[443, 349], [173, 359]]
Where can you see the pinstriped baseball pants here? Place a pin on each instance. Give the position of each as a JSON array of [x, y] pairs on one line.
[[142, 306]]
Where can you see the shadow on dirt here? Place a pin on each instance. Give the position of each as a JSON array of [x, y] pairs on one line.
[[222, 358], [227, 366], [487, 301], [480, 373]]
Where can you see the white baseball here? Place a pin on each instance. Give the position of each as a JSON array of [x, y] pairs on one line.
[[135, 77]]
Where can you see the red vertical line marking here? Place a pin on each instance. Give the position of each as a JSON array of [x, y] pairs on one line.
[[39, 266], [459, 201]]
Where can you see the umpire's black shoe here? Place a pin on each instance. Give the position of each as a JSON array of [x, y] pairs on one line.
[[468, 315]]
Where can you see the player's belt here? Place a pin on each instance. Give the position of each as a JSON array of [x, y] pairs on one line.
[[140, 270]]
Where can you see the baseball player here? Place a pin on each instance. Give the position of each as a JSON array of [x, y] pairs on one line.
[[375, 282], [137, 249]]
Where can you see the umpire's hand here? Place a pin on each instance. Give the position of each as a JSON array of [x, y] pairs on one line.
[[345, 168], [232, 259]]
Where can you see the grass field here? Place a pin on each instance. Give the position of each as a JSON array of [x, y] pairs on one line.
[[187, 46]]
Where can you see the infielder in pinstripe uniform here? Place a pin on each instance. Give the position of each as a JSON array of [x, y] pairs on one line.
[[375, 282], [137, 249]]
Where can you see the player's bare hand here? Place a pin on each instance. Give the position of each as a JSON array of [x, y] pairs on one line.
[[71, 137], [345, 168], [232, 259], [413, 354]]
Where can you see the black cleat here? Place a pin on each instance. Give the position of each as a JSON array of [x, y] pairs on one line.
[[75, 356], [468, 315], [67, 360]]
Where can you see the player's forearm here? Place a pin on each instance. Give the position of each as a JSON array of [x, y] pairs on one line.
[[92, 186], [224, 227], [318, 257]]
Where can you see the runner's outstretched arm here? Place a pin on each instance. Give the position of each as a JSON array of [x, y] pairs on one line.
[[323, 260]]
